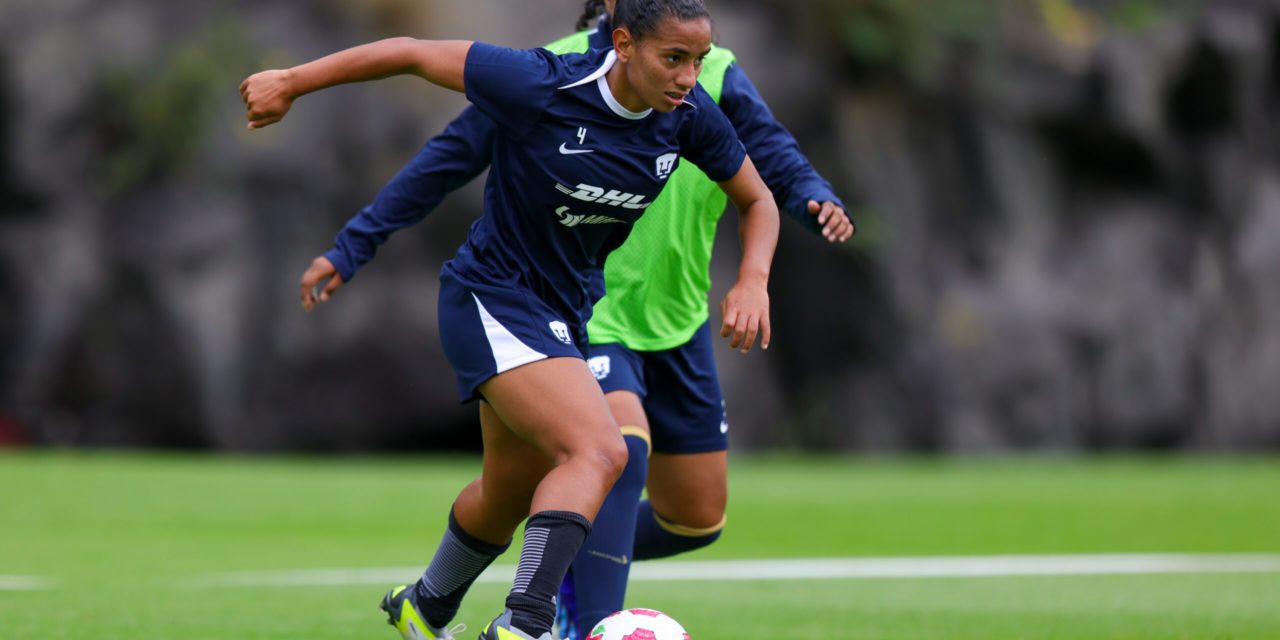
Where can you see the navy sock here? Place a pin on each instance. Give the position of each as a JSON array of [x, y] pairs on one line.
[[657, 537], [459, 560], [551, 538], [600, 569]]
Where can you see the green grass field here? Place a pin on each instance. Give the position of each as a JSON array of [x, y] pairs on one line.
[[111, 546]]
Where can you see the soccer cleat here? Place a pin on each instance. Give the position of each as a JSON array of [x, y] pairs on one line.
[[404, 616], [567, 611], [501, 629]]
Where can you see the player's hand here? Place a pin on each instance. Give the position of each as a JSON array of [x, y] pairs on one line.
[[267, 97], [745, 314], [836, 225], [320, 269]]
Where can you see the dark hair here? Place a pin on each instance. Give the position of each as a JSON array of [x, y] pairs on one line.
[[591, 9], [642, 17]]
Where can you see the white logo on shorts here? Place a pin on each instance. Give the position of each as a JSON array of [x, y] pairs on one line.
[[666, 162], [724, 419], [561, 331], [599, 366]]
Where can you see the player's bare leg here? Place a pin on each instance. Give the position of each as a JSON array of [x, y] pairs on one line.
[[690, 490], [556, 406]]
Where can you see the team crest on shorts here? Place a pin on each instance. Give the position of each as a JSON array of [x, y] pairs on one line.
[[665, 163], [561, 331], [599, 366]]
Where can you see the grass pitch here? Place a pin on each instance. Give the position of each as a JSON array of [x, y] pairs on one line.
[[126, 546]]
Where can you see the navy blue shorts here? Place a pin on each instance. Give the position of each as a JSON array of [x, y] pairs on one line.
[[679, 388], [486, 330]]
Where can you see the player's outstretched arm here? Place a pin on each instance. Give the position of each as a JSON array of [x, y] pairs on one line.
[[800, 191], [745, 308], [268, 95]]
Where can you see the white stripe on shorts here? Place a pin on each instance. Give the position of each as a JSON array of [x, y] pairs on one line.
[[508, 351]]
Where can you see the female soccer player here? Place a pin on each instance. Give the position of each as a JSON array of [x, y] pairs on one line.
[[650, 336], [584, 144]]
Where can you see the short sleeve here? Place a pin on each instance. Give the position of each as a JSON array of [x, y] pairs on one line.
[[511, 86], [708, 139]]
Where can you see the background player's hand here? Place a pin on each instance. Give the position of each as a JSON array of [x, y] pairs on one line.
[[836, 225], [267, 97], [320, 269], [745, 313]]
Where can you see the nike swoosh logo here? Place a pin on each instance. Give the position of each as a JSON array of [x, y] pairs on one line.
[[564, 150], [618, 559]]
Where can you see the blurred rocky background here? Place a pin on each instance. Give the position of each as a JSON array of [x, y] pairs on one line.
[[1068, 212]]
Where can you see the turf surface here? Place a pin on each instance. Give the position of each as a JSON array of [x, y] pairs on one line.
[[128, 542]]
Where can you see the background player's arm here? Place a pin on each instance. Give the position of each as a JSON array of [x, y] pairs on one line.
[[446, 162], [745, 308], [800, 191], [268, 95]]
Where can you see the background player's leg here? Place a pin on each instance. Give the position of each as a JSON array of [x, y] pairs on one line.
[[688, 471], [688, 494]]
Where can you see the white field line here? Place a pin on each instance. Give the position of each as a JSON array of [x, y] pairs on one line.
[[797, 569], [809, 569], [24, 583]]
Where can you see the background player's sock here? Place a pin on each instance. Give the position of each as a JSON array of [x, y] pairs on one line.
[[551, 538], [601, 567], [657, 537], [458, 562]]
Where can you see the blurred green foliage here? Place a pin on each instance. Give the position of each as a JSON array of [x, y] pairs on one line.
[[152, 120], [1140, 15], [908, 37], [916, 40]]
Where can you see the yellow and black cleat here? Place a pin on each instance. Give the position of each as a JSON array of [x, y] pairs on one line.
[[501, 629], [405, 617]]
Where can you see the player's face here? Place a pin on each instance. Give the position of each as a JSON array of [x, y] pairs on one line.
[[663, 67]]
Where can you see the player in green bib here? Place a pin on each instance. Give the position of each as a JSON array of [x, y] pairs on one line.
[[651, 347], [650, 334]]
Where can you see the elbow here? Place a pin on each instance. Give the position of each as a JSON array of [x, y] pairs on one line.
[[411, 55], [767, 208]]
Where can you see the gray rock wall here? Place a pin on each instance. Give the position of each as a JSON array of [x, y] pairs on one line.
[[1068, 228]]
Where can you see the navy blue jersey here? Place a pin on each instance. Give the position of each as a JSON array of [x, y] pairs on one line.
[[464, 149], [572, 169]]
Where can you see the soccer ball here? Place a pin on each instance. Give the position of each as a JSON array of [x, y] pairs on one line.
[[638, 624]]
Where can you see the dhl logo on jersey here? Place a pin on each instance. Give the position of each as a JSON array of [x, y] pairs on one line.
[[613, 197]]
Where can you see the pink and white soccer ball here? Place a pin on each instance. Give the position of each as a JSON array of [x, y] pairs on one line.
[[638, 624]]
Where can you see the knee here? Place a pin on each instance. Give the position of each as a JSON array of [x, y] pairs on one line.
[[612, 455], [659, 537], [699, 532], [606, 456], [696, 514]]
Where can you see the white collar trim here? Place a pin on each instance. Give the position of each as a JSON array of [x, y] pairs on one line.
[[616, 106], [603, 83]]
